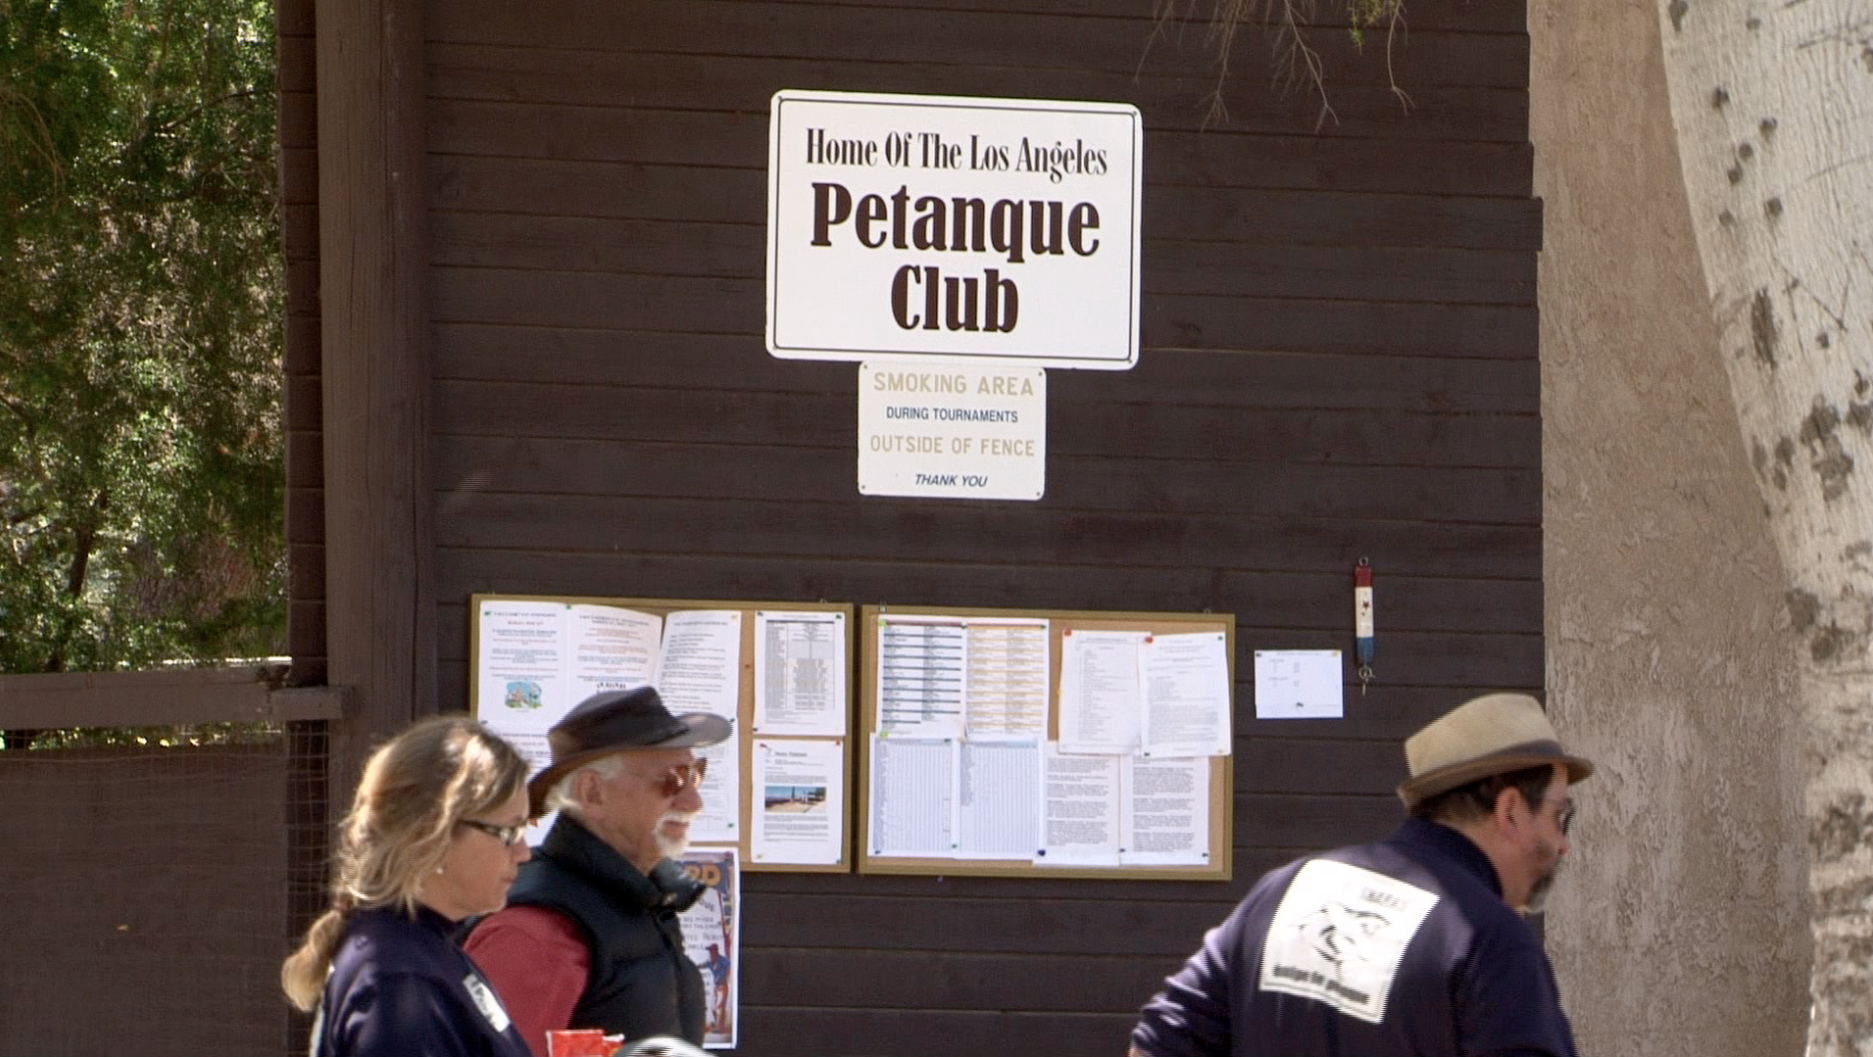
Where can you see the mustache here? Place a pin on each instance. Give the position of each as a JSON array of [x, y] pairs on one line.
[[685, 817]]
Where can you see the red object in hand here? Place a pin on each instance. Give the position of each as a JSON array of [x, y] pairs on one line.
[[581, 1042]]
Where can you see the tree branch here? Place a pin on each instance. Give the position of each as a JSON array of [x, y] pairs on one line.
[[1296, 61], [82, 545]]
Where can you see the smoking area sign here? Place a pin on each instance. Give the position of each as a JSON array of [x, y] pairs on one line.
[[953, 228], [938, 429]]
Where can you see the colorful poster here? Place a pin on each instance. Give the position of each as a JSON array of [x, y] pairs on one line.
[[712, 939]]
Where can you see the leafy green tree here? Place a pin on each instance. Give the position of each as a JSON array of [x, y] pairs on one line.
[[141, 477]]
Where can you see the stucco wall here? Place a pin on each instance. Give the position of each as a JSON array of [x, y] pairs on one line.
[[1681, 924]]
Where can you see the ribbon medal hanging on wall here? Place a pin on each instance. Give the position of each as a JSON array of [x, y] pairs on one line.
[[1362, 622]]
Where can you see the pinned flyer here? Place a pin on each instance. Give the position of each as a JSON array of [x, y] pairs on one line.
[[997, 784], [1299, 684], [1186, 690], [1006, 681], [720, 817], [1079, 810], [799, 672], [913, 796], [923, 665], [699, 662], [799, 800], [1166, 805], [1100, 695]]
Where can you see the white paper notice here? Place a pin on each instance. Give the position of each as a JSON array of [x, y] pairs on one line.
[[612, 649], [913, 796], [536, 660], [1101, 702], [998, 791], [1166, 819], [1186, 681], [799, 806], [1079, 811], [699, 669], [921, 664], [799, 673], [1007, 687], [1299, 684], [720, 819], [521, 666]]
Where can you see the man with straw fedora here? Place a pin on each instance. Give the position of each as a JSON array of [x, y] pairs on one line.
[[590, 937], [1414, 946]]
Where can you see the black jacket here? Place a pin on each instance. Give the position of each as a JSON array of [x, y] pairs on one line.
[[642, 983], [402, 988], [1403, 948]]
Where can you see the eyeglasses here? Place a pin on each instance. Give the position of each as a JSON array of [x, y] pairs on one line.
[[674, 781], [507, 835], [1564, 817]]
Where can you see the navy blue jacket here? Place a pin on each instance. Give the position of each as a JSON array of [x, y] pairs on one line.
[[402, 988], [1402, 948]]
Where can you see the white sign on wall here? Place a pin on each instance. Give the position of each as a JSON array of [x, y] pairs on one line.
[[952, 430], [954, 228]]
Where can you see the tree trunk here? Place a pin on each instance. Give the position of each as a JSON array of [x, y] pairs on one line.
[[1773, 106]]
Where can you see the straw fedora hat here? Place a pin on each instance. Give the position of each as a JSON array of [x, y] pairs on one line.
[[618, 721], [1484, 736]]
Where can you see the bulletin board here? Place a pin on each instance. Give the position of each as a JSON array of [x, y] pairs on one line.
[[790, 760], [1209, 854]]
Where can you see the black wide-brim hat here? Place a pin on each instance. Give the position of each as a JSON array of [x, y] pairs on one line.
[[618, 721]]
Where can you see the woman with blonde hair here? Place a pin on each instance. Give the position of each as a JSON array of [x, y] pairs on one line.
[[435, 834]]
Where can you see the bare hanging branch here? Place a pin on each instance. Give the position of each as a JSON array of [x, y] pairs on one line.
[[1297, 62]]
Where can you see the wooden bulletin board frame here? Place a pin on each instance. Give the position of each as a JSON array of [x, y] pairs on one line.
[[744, 711], [1222, 778]]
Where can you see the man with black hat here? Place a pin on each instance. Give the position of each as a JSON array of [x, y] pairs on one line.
[[589, 938], [1410, 947]]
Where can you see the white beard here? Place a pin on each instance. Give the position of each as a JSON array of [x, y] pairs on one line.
[[673, 847]]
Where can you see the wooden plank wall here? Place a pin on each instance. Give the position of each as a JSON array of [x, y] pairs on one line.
[[305, 456], [1339, 361]]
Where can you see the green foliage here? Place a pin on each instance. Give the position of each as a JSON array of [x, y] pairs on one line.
[[1362, 15], [196, 735], [141, 479]]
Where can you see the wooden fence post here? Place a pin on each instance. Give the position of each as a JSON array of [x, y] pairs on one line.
[[373, 252]]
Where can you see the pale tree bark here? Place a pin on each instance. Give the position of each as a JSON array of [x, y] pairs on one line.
[[1773, 105]]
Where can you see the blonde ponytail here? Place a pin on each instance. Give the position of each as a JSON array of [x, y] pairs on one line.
[[303, 975]]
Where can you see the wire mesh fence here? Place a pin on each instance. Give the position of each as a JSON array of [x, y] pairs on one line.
[[308, 833], [151, 889]]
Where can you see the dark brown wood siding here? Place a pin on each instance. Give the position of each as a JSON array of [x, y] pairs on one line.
[[305, 456], [1339, 362]]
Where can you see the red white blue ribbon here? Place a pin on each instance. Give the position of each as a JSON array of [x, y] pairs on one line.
[[1363, 642]]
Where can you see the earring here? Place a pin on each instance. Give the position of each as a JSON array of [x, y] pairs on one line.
[[438, 869]]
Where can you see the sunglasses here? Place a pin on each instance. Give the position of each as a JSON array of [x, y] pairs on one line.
[[507, 835], [674, 781]]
